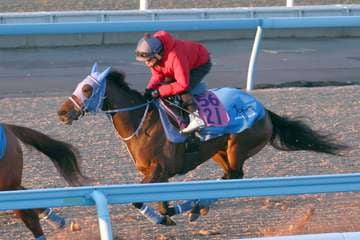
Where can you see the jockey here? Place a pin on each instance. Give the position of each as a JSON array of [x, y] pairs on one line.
[[177, 66]]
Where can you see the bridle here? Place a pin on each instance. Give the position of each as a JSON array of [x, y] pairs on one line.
[[83, 108], [136, 132], [78, 107]]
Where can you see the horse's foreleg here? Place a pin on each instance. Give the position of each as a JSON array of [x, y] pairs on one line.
[[201, 207], [148, 211], [164, 209], [54, 219]]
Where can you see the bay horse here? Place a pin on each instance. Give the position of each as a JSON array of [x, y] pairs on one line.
[[63, 155], [138, 124]]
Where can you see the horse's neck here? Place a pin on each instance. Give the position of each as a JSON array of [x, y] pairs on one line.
[[127, 123], [139, 137]]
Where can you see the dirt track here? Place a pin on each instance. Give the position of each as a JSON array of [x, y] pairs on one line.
[[106, 160]]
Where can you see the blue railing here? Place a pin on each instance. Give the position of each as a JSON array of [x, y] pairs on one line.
[[121, 194], [178, 25], [185, 25]]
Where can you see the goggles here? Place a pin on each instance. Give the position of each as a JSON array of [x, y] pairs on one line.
[[143, 54]]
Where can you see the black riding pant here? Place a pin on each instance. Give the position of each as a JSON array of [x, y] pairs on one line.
[[196, 76]]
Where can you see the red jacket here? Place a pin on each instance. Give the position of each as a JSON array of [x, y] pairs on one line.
[[180, 56]]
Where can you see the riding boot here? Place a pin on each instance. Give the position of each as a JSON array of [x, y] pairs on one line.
[[195, 120]]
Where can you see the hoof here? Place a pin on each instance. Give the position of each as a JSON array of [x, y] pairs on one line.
[[168, 212], [204, 211], [193, 217], [171, 212], [196, 212], [167, 221], [74, 226]]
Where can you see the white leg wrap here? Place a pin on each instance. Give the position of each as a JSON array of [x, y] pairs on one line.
[[150, 214], [55, 220]]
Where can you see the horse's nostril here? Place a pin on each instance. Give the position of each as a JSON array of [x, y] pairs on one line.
[[62, 119], [61, 112]]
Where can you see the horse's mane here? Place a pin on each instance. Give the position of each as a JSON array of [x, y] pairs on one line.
[[118, 78]]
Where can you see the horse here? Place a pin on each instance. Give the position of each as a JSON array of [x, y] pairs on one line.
[[63, 155], [137, 122]]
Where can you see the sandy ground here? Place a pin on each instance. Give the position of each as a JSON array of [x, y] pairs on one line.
[[105, 159], [79, 5], [333, 109]]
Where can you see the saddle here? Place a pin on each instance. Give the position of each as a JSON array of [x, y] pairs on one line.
[[175, 110], [211, 110], [179, 118], [224, 111]]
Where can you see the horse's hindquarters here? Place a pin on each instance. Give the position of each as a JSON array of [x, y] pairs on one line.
[[11, 164]]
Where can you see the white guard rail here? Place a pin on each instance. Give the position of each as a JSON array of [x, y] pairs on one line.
[[144, 4]]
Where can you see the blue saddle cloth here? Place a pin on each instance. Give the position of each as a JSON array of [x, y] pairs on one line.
[[2, 141], [243, 109]]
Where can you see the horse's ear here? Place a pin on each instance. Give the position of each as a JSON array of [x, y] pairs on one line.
[[104, 74], [94, 68]]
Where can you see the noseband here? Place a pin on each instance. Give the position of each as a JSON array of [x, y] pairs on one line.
[[78, 107]]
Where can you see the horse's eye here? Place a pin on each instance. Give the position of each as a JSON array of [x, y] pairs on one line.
[[87, 90]]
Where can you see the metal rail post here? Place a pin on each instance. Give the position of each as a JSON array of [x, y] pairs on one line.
[[103, 215], [144, 5], [254, 53]]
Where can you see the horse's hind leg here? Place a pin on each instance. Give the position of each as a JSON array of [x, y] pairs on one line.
[[221, 159], [197, 209], [54, 219], [245, 145], [231, 161], [239, 148], [30, 218], [31, 221]]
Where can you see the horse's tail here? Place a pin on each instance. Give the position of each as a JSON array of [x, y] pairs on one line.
[[294, 134], [63, 155]]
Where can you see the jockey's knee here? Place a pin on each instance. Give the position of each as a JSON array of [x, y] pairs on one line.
[[188, 102]]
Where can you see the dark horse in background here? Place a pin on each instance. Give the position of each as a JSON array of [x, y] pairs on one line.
[[137, 122], [63, 155]]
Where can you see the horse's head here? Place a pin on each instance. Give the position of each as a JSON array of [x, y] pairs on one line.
[[87, 97]]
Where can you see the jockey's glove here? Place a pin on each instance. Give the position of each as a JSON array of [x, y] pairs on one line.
[[151, 94]]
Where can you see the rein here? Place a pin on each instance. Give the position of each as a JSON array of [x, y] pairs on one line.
[[125, 109], [135, 133]]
